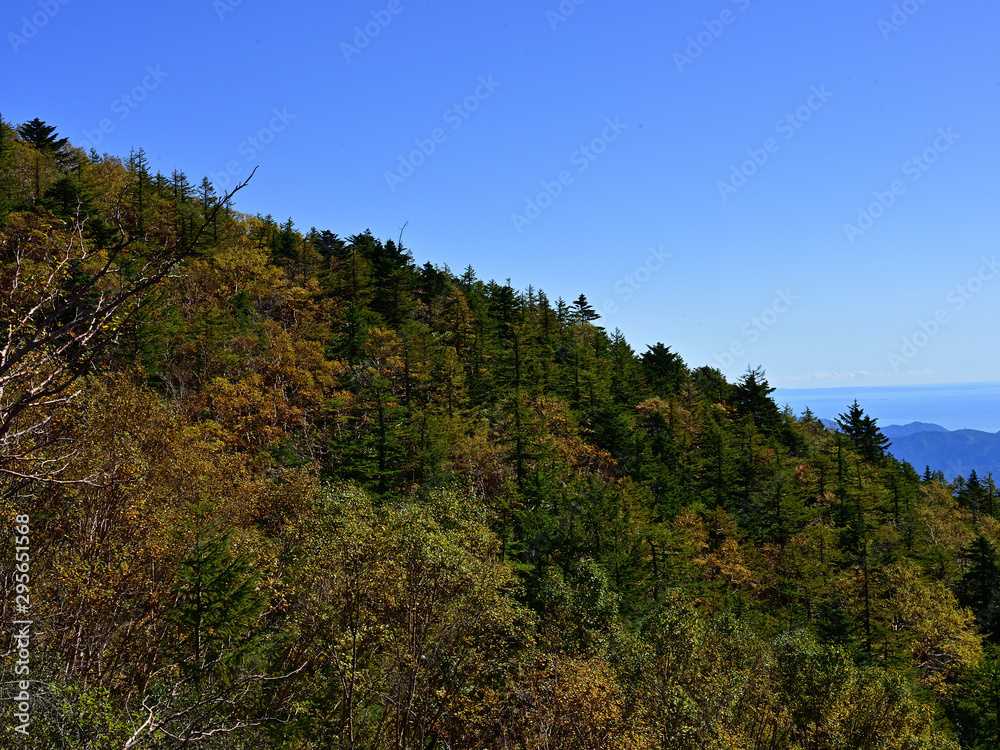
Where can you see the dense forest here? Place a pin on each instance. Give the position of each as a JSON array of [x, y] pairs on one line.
[[287, 489]]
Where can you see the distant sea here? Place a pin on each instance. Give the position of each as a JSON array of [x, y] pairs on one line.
[[971, 406]]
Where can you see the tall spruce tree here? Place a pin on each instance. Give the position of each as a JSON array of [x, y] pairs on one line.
[[583, 310], [663, 368], [42, 136], [753, 399], [864, 433]]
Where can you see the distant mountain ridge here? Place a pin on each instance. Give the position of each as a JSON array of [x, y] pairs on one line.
[[894, 431], [955, 452]]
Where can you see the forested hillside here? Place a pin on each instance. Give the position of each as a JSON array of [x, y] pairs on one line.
[[291, 489]]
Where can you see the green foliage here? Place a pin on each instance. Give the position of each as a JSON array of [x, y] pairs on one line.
[[864, 433], [435, 511], [664, 369], [975, 709], [42, 136], [216, 603], [980, 585], [409, 618]]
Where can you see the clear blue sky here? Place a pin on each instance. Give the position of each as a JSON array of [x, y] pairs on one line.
[[823, 105]]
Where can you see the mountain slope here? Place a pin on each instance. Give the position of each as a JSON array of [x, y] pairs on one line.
[[894, 431], [955, 453]]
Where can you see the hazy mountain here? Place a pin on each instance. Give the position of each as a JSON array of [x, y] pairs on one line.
[[894, 431], [954, 453]]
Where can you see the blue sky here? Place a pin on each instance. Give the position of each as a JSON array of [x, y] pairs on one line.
[[808, 187]]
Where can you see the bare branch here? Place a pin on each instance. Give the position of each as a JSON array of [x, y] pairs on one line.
[[56, 322]]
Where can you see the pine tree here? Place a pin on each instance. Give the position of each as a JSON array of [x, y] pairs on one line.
[[973, 495], [753, 399], [975, 709], [49, 151], [42, 136], [138, 165], [980, 585], [864, 433], [180, 187], [6, 168], [625, 378], [217, 603], [711, 383], [583, 310], [664, 369]]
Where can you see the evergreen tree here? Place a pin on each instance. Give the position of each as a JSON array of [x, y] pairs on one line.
[[864, 433], [138, 165], [209, 202], [711, 383], [181, 189], [49, 152], [7, 199], [42, 136], [328, 244], [217, 602], [583, 310], [286, 242], [974, 496], [664, 369], [975, 707], [752, 399], [980, 585]]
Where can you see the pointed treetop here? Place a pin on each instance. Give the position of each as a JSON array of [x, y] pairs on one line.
[[864, 433], [42, 136], [753, 398], [664, 369], [584, 310]]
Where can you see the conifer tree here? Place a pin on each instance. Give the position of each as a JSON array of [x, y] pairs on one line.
[[138, 165], [7, 198], [42, 136], [753, 398], [663, 368], [217, 601], [980, 585], [864, 433], [583, 310], [209, 204], [224, 674], [49, 151], [180, 187]]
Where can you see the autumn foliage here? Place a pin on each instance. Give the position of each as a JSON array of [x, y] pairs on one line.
[[295, 490]]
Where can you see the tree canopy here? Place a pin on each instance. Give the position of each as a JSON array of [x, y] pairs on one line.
[[295, 489]]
